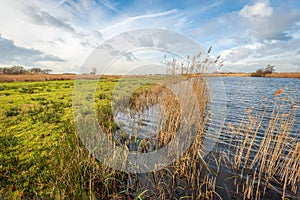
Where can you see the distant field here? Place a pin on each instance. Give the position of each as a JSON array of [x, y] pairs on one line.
[[276, 75], [56, 77], [35, 77], [284, 75], [46, 77]]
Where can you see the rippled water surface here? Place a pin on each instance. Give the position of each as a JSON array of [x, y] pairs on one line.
[[232, 99], [256, 95]]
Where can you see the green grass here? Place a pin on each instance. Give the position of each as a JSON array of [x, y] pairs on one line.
[[36, 132], [33, 121], [40, 153]]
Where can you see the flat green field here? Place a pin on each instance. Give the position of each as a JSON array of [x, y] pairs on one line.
[[37, 140], [40, 153]]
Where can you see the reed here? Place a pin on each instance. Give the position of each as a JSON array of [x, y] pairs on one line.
[[265, 154], [188, 177]]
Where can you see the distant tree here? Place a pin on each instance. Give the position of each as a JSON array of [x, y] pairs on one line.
[[13, 70], [18, 70], [260, 71], [46, 71], [269, 69], [2, 70], [35, 70], [94, 70]]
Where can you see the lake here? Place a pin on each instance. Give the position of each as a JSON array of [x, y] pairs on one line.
[[231, 100]]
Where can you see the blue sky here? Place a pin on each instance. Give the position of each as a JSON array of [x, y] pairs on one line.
[[61, 34]]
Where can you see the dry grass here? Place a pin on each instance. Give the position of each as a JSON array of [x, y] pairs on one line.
[[188, 177], [266, 155], [285, 75], [232, 74], [274, 75], [53, 77], [35, 77]]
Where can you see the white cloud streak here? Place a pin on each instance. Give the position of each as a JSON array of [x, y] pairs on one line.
[[131, 20]]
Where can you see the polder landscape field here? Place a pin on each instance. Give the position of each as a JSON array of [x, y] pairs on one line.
[[158, 100], [42, 156]]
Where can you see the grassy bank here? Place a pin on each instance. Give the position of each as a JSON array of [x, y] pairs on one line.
[[284, 75]]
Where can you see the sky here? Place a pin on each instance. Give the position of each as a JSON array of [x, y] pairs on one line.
[[61, 34]]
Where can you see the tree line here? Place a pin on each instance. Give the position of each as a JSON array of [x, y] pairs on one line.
[[15, 70], [269, 69]]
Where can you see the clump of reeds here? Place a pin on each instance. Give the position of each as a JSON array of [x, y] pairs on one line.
[[189, 176], [265, 153]]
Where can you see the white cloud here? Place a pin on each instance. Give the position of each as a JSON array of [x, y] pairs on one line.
[[266, 23], [260, 9], [40, 17], [283, 54], [236, 54], [38, 28], [255, 36], [13, 54], [71, 29], [109, 5]]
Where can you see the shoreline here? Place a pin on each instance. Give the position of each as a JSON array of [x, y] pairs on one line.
[[273, 75]]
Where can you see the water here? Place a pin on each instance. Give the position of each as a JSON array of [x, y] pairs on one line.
[[254, 95], [144, 125], [231, 100], [243, 93], [257, 98]]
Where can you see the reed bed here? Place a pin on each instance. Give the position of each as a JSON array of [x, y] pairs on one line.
[[180, 95], [265, 156]]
